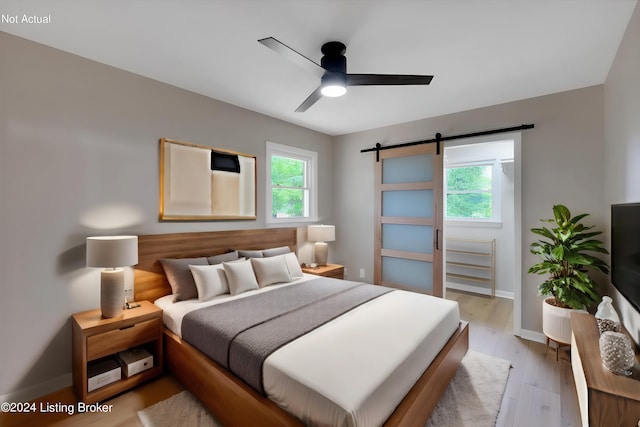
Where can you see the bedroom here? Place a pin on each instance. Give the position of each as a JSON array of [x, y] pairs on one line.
[[80, 138]]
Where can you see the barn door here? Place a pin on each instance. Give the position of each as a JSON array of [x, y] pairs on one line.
[[408, 234]]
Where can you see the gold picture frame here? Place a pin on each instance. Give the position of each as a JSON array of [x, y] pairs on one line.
[[201, 183]]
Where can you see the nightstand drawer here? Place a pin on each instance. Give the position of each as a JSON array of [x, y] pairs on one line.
[[111, 342], [336, 274]]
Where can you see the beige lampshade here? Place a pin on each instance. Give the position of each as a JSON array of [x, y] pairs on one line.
[[112, 251], [321, 233]]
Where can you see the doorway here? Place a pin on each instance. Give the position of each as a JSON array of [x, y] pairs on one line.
[[482, 218]]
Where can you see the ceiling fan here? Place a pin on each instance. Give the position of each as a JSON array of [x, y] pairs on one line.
[[332, 72]]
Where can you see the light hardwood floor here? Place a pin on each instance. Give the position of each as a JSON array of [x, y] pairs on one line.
[[540, 391]]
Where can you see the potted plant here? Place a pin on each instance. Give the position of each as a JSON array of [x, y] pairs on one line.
[[565, 251]]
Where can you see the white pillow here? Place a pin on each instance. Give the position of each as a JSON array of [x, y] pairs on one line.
[[271, 270], [211, 281], [240, 277], [293, 264]]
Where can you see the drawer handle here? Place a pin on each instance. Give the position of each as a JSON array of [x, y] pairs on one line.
[[127, 327]]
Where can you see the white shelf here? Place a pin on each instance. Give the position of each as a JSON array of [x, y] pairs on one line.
[[472, 260]]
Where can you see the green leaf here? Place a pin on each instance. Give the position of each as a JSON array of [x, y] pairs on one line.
[[558, 252], [561, 213], [544, 232], [577, 218], [590, 245]]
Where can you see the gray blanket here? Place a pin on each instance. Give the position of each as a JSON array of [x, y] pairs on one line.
[[241, 334]]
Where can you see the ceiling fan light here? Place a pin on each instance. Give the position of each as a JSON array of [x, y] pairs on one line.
[[333, 84], [333, 90]]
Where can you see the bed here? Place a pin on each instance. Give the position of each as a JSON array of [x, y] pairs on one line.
[[405, 398]]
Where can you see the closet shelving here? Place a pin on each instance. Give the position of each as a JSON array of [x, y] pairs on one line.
[[472, 261]]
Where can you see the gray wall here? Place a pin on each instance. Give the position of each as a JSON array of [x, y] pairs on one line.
[[78, 157], [561, 163], [622, 141]]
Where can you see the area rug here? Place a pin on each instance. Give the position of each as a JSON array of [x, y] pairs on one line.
[[473, 398], [474, 395]]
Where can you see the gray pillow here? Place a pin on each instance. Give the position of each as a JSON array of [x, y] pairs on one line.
[[219, 259], [180, 278], [250, 254], [276, 251]]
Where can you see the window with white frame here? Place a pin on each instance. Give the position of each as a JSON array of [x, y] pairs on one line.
[[472, 192], [291, 193]]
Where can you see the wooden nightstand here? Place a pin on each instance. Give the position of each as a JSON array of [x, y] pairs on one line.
[[95, 337], [330, 270]]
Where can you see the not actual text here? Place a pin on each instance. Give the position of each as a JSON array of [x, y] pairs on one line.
[[25, 19]]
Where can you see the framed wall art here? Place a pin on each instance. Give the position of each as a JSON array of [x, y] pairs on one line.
[[204, 183]]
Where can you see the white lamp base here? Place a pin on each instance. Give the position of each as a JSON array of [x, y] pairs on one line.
[[321, 252], [112, 292]]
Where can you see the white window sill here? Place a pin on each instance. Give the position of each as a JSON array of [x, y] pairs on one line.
[[484, 223], [289, 221]]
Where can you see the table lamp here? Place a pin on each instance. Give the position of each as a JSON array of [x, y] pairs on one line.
[[112, 253], [321, 234]]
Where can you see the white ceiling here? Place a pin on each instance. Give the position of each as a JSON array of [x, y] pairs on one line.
[[482, 52]]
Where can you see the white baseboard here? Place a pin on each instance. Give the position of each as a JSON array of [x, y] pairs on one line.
[[533, 336], [38, 390], [478, 290]]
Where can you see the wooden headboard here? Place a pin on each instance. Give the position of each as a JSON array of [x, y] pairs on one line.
[[150, 282]]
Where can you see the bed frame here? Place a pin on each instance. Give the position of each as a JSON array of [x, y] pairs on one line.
[[232, 401]]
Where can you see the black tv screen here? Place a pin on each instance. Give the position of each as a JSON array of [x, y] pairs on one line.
[[625, 251]]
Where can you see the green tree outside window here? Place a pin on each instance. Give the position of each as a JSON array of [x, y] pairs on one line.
[[288, 187], [469, 192]]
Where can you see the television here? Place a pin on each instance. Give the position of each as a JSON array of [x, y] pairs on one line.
[[625, 251]]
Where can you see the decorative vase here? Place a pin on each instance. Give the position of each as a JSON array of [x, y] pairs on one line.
[[617, 352], [606, 317]]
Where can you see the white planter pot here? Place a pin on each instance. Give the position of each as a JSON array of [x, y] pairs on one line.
[[556, 322]]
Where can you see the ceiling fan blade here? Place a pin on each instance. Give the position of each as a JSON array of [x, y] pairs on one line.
[[386, 79], [293, 56], [311, 99]]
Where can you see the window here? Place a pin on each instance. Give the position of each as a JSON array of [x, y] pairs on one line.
[[472, 192], [291, 184]]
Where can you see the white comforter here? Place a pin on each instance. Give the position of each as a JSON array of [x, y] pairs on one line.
[[354, 370]]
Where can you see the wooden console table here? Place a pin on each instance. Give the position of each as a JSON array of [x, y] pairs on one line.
[[606, 399]]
